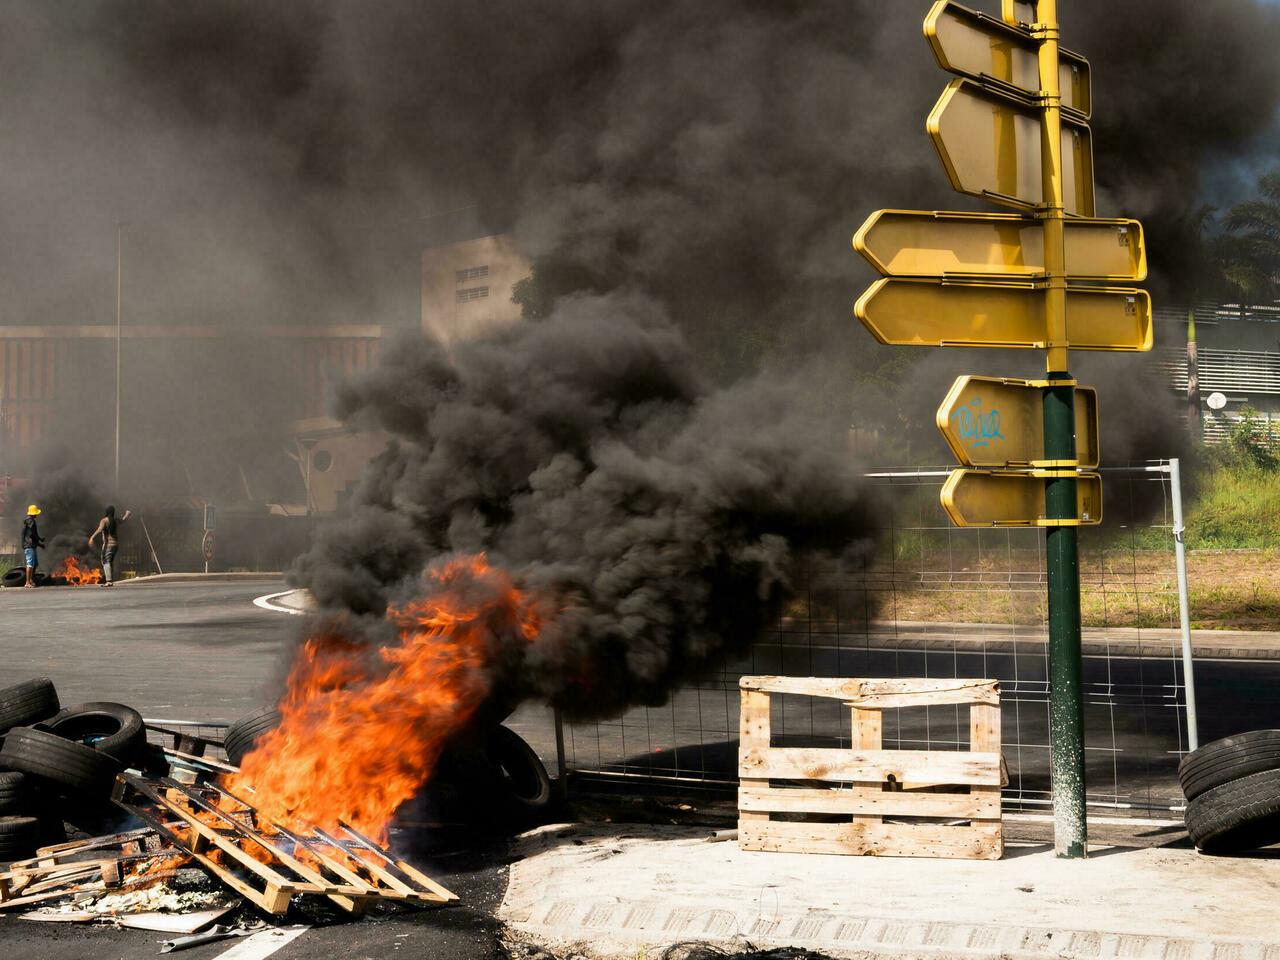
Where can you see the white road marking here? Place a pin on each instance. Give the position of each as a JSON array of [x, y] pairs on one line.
[[266, 604], [262, 944]]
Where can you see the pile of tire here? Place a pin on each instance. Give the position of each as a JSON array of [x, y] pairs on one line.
[[490, 774], [17, 577], [56, 762], [1232, 788]]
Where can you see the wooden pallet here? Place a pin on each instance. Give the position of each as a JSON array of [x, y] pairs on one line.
[[891, 803], [83, 866], [222, 832]]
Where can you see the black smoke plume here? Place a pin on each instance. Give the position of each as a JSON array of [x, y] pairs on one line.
[[287, 162], [660, 523]]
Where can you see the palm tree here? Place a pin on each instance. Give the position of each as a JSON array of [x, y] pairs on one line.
[[1250, 247]]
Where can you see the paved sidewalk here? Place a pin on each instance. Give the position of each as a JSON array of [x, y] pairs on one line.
[[614, 892]]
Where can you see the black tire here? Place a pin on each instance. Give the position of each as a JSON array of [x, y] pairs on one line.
[[27, 703], [151, 760], [14, 577], [1229, 759], [110, 728], [1241, 815], [65, 763], [19, 795], [245, 732], [526, 778], [19, 838]]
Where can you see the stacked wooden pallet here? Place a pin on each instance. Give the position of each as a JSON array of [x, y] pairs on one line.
[[864, 799], [267, 863]]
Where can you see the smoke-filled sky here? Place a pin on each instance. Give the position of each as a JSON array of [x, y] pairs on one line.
[[286, 162]]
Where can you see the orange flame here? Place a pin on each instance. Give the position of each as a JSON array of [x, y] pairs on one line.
[[76, 575], [360, 731]]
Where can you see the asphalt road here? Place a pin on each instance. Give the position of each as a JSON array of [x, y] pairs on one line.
[[172, 650]]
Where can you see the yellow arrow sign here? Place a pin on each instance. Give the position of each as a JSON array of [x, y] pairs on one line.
[[928, 314], [990, 146], [920, 243], [982, 498], [999, 422], [983, 48]]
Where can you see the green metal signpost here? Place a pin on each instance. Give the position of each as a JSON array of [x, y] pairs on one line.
[[981, 280]]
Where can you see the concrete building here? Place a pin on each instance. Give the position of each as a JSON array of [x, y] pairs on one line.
[[243, 386], [467, 287], [1238, 356]]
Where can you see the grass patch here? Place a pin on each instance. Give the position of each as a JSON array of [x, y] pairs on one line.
[[1235, 507]]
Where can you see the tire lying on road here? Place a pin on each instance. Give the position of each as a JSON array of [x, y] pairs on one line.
[[14, 577], [245, 732], [1237, 816], [526, 778], [110, 728], [19, 837], [1229, 759], [70, 765], [26, 703], [19, 794]]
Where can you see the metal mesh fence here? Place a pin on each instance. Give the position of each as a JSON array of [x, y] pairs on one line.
[[938, 601]]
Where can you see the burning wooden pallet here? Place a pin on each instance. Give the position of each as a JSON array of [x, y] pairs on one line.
[[85, 866], [267, 863]]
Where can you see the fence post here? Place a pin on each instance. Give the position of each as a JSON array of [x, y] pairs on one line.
[[562, 783], [1184, 607]]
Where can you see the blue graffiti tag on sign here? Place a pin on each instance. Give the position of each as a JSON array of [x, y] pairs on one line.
[[978, 428]]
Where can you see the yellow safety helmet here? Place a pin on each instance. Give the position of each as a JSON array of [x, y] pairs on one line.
[[33, 511]]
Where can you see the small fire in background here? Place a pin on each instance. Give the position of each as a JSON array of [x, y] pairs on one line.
[[76, 575], [361, 730]]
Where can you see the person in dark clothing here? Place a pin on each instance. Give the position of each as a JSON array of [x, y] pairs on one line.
[[31, 543], [109, 530]]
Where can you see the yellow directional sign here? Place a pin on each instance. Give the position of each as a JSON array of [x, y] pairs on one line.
[[999, 422], [918, 243], [929, 314], [990, 146], [992, 498], [983, 48]]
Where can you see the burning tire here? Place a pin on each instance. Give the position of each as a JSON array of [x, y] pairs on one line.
[[110, 728], [14, 577], [1229, 759], [19, 837], [244, 733], [1237, 816], [27, 703], [63, 762], [526, 778], [18, 794]]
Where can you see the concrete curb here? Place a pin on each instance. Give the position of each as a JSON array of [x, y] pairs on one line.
[[1005, 638], [203, 577]]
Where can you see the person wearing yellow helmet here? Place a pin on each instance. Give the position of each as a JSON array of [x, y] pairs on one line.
[[31, 542]]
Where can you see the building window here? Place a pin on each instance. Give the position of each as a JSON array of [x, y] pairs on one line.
[[472, 273], [472, 293]]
